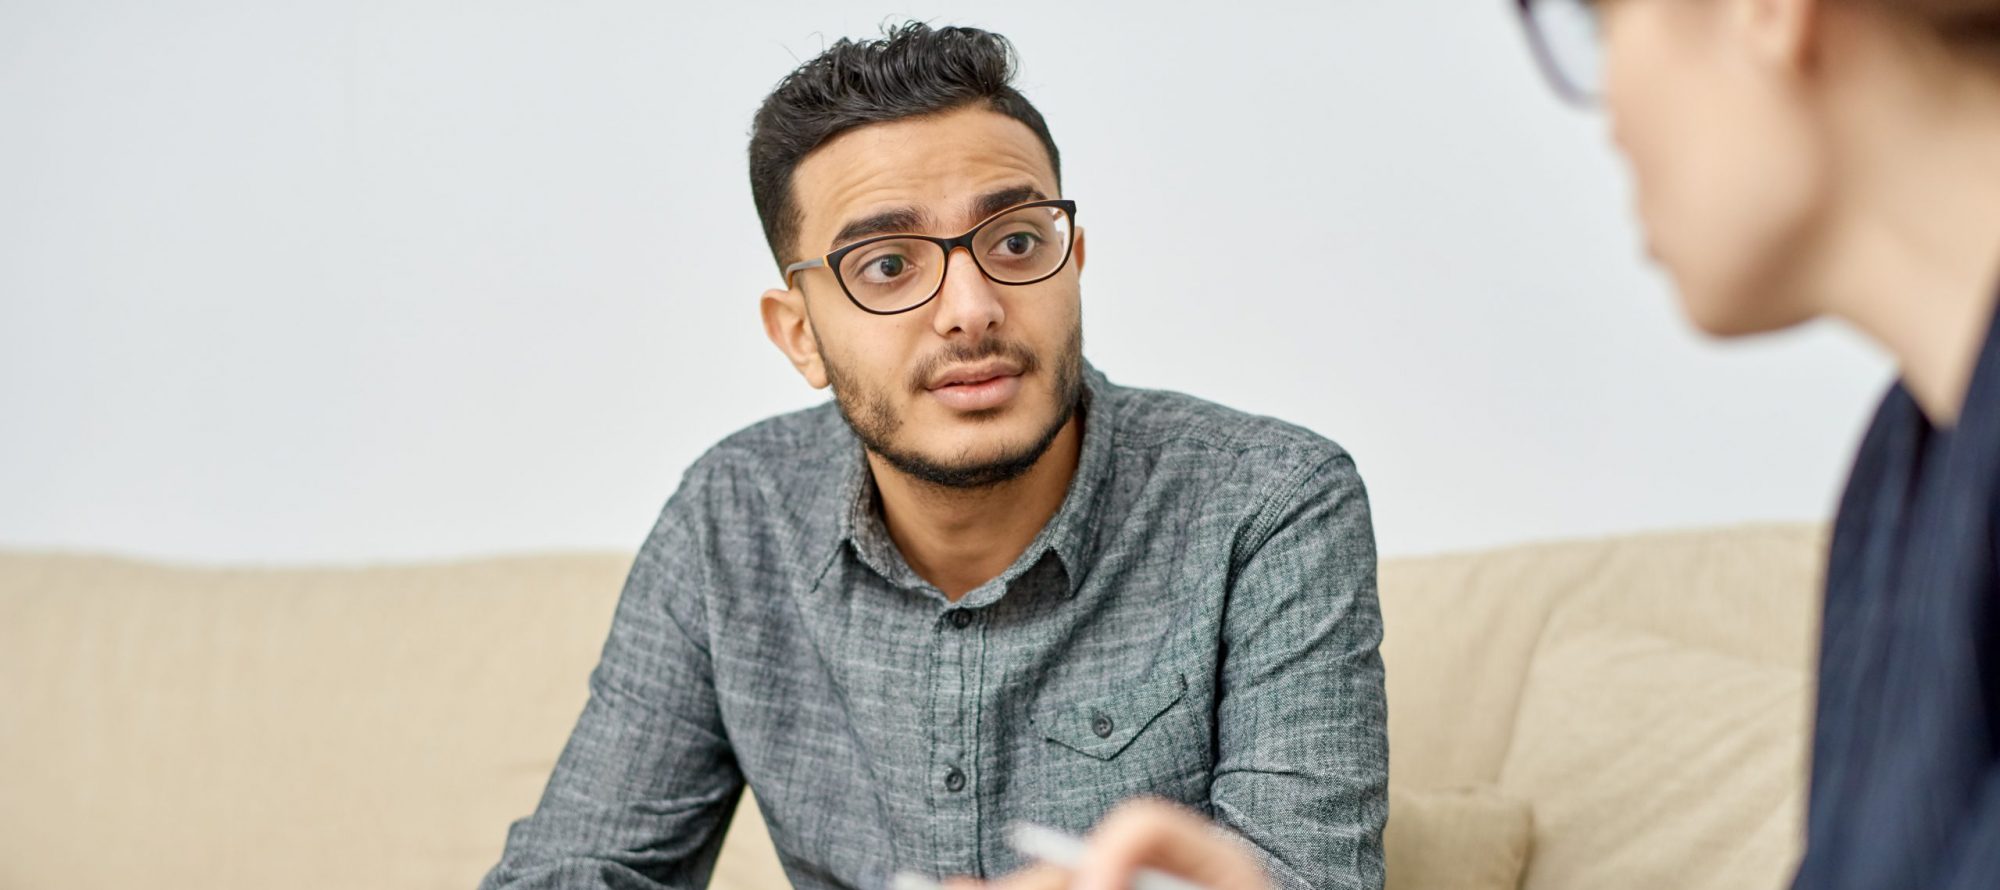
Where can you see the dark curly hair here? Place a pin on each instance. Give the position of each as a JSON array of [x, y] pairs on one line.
[[913, 70]]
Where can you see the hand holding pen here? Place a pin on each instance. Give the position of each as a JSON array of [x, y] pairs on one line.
[[1143, 845]]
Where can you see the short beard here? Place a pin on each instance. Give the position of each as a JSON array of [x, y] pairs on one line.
[[873, 418]]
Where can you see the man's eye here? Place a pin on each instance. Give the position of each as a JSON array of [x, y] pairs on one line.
[[1018, 244], [885, 268]]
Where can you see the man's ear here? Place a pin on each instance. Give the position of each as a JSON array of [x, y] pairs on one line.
[[1076, 253], [790, 329]]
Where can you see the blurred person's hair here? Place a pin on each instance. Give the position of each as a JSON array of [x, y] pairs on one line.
[[1970, 28], [912, 71]]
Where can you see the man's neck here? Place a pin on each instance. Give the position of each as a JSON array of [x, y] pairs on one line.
[[960, 539]]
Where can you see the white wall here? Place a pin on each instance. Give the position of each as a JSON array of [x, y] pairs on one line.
[[350, 279]]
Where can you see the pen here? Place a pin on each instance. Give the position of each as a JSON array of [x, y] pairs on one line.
[[909, 880], [1055, 848], [1066, 850]]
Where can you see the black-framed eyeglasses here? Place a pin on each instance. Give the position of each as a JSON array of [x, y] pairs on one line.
[[1564, 35], [889, 274]]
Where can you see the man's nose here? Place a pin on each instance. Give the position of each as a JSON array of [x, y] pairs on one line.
[[969, 303]]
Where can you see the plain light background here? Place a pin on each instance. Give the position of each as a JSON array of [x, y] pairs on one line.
[[340, 280]]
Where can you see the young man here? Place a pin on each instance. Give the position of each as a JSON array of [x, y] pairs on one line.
[[985, 585]]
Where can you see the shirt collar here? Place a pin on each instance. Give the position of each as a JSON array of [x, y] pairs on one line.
[[1070, 534]]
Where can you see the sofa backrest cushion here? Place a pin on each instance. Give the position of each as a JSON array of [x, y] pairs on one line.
[[1663, 725], [304, 728]]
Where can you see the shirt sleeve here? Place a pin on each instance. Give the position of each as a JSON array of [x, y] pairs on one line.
[[644, 790], [1302, 741]]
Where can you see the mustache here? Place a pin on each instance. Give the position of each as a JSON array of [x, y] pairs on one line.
[[967, 353]]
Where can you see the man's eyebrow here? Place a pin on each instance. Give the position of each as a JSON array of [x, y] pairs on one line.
[[907, 220], [897, 221], [994, 202]]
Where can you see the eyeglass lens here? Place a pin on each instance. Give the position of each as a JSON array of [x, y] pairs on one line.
[[1568, 31], [1022, 246]]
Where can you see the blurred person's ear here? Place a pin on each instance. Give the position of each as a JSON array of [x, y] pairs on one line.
[[1780, 35]]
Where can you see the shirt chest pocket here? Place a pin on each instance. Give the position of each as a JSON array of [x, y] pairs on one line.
[[1103, 727]]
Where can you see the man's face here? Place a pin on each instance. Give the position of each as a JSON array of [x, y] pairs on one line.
[[969, 389]]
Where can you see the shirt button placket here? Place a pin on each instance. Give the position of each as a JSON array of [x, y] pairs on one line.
[[956, 828]]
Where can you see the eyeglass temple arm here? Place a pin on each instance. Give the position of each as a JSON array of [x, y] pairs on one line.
[[801, 266]]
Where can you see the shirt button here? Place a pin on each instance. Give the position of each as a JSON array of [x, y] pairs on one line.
[[961, 619], [954, 781], [1100, 723]]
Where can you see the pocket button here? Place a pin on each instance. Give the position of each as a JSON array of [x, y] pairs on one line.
[[1100, 723]]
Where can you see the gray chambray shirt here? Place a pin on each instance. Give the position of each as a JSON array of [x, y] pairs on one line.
[[1197, 622]]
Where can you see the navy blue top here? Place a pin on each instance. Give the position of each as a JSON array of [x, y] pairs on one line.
[[1906, 750]]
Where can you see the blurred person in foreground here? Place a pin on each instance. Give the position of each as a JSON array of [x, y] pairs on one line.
[[1799, 159]]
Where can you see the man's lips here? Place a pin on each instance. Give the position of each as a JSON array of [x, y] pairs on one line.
[[978, 387], [972, 375]]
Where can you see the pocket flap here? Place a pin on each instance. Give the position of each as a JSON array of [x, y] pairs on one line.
[[1102, 727]]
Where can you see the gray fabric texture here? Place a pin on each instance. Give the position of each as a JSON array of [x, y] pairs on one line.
[[1198, 622]]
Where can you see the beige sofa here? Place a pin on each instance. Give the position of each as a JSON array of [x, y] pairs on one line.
[[1640, 702]]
